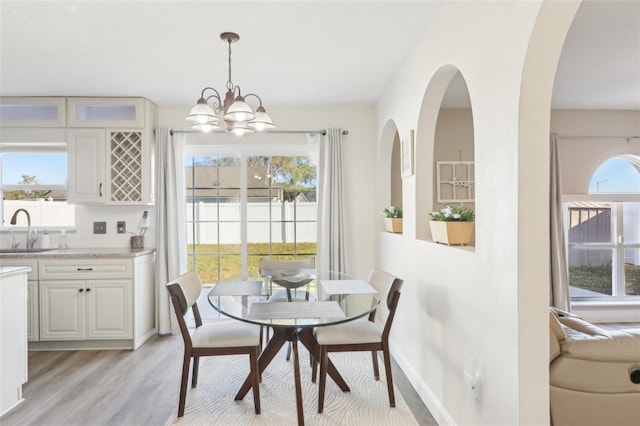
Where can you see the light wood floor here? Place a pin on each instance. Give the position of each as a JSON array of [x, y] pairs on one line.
[[121, 387]]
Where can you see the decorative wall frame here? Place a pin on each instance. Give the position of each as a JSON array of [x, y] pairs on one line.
[[406, 157], [455, 181]]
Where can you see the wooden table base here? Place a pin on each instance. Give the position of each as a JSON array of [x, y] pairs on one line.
[[282, 335]]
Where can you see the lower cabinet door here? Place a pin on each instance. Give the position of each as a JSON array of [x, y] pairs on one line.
[[33, 312], [62, 310], [109, 310]]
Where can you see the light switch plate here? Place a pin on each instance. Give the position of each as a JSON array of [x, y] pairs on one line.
[[121, 227], [99, 227]]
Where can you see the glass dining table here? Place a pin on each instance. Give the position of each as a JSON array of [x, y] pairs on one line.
[[315, 298]]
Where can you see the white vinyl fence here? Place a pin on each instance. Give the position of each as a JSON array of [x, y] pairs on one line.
[[43, 212], [208, 221]]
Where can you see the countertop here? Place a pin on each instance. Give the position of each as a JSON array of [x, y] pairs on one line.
[[5, 271], [71, 253]]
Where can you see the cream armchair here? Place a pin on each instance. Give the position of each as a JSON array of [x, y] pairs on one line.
[[594, 374]]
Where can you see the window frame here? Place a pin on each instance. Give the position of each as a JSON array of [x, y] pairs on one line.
[[243, 152], [616, 245], [32, 148]]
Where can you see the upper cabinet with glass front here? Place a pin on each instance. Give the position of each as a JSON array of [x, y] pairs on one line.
[[106, 112], [32, 112]]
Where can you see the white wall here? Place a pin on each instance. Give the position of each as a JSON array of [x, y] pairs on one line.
[[581, 157], [486, 305]]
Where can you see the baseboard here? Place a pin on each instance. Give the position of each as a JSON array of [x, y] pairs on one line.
[[426, 395]]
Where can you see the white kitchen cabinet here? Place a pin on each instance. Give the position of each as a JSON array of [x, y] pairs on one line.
[[106, 112], [85, 309], [33, 311], [112, 166], [94, 302], [86, 166], [32, 111], [32, 295], [13, 336]]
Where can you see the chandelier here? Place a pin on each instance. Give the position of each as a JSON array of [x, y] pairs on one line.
[[237, 115]]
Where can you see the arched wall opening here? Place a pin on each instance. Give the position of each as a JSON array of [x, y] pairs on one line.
[[444, 148], [390, 175]]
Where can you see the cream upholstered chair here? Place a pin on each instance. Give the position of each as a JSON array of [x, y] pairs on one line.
[[222, 338], [364, 334], [594, 374]]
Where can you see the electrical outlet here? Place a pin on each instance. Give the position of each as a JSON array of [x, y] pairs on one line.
[[121, 227], [99, 227]]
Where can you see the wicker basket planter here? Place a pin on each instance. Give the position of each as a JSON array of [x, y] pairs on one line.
[[451, 233], [393, 224]]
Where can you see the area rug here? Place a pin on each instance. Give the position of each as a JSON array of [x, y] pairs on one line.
[[211, 402]]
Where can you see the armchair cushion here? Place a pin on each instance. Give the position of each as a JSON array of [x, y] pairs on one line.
[[589, 372]]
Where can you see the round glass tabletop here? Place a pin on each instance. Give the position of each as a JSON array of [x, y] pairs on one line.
[[323, 298]]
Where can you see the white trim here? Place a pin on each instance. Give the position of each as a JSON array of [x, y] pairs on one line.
[[427, 396]]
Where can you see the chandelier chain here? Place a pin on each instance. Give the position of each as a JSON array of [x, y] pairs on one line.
[[229, 83]]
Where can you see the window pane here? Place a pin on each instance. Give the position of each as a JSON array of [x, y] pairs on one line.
[[632, 272], [616, 175], [589, 222], [34, 168], [590, 273], [631, 223]]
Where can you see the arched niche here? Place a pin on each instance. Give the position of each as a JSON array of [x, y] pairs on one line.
[[390, 185], [445, 139]]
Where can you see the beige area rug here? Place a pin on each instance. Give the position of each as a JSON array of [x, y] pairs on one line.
[[211, 402]]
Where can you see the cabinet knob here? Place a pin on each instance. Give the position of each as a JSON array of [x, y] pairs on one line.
[[81, 290], [88, 290]]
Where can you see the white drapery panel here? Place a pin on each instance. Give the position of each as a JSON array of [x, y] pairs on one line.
[[170, 220], [331, 234], [559, 294]]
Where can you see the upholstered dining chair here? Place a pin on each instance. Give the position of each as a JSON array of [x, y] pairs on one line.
[[363, 335], [268, 267], [220, 338]]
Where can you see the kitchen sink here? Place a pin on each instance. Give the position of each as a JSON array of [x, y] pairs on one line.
[[21, 250]]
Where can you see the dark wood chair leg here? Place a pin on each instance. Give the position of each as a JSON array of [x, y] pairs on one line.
[[255, 375], [376, 370], [196, 368], [183, 385], [324, 360], [387, 368]]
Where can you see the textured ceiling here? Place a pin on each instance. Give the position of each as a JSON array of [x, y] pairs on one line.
[[290, 53]]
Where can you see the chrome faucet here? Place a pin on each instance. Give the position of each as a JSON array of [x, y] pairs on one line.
[[32, 236]]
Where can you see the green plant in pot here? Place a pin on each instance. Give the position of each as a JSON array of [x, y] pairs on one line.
[[392, 219], [452, 225]]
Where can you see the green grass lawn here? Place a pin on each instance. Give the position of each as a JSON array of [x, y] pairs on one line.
[[598, 278], [225, 260]]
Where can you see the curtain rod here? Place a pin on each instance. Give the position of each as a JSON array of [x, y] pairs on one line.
[[323, 132], [628, 138]]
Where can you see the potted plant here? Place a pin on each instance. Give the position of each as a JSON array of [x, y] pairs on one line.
[[392, 219], [452, 225]]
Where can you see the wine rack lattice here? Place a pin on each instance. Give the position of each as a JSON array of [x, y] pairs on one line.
[[126, 166]]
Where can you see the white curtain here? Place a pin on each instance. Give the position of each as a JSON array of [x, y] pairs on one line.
[[331, 235], [559, 294], [170, 220]]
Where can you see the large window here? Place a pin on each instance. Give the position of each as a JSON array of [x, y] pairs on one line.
[[244, 207], [604, 234], [35, 179]]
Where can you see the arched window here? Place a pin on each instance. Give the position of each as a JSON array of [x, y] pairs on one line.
[[619, 174]]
